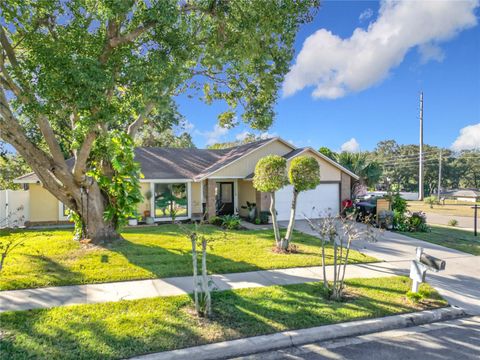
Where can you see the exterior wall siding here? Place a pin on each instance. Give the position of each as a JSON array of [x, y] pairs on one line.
[[145, 205], [246, 192], [346, 187], [196, 198], [328, 172], [43, 205], [246, 165]]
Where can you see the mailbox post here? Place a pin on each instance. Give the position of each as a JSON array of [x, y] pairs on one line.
[[419, 267], [475, 208]]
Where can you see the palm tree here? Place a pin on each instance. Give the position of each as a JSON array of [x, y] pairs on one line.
[[359, 163]]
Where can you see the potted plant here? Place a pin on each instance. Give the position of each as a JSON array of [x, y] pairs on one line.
[[252, 209], [133, 221], [149, 220]]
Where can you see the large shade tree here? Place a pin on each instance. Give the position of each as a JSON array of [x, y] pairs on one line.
[[79, 78]]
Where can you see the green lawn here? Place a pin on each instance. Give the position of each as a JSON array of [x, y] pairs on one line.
[[127, 328], [462, 240], [53, 258]]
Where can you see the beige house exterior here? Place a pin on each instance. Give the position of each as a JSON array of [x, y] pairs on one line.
[[202, 183]]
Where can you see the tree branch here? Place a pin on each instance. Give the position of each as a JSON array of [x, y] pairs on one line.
[[8, 47], [82, 155], [51, 140], [46, 167], [134, 126], [114, 39]]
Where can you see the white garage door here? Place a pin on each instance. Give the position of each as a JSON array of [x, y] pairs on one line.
[[313, 203]]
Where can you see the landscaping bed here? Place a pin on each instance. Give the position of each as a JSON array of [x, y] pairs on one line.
[[128, 328], [462, 240], [52, 258]]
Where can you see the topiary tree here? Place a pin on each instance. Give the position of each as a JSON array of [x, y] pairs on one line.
[[304, 174], [271, 176]]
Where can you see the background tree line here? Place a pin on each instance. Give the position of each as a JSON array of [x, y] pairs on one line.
[[395, 166]]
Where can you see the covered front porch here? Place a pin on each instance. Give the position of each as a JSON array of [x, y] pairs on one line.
[[227, 196], [197, 200]]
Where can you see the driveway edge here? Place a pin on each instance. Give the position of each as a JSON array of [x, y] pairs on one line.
[[262, 343]]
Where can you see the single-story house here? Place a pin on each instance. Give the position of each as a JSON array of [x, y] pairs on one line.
[[467, 195], [205, 181]]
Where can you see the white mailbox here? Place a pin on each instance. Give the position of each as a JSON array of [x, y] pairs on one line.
[[419, 267]]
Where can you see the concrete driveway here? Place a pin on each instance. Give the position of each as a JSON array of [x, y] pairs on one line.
[[459, 283]]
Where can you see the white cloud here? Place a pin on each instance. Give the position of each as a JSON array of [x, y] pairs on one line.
[[351, 145], [365, 15], [242, 136], [430, 52], [187, 126], [267, 135], [336, 66], [214, 136], [468, 139]]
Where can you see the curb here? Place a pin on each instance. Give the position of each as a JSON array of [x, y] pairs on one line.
[[257, 344]]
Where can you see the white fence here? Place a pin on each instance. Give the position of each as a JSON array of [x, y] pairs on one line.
[[14, 208]]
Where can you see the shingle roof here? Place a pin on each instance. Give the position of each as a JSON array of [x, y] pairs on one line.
[[287, 156], [462, 193], [27, 178], [173, 163], [168, 163], [230, 155]]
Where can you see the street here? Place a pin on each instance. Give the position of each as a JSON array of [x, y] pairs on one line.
[[455, 339]]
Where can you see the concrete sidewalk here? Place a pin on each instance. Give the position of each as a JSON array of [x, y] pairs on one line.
[[459, 283], [14, 300]]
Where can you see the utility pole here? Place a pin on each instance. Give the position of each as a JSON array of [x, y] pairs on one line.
[[420, 157], [439, 175]]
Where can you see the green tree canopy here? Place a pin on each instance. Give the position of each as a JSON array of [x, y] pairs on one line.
[[270, 173], [304, 173], [80, 78], [329, 153], [11, 167], [362, 165]]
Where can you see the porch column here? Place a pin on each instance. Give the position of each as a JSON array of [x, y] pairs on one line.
[[210, 198], [262, 201]]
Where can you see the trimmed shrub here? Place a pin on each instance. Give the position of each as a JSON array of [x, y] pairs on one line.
[[452, 222], [216, 220], [231, 222]]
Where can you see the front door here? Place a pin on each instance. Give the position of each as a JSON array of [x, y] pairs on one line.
[[225, 205]]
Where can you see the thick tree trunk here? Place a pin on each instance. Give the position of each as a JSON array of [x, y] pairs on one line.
[[90, 206]]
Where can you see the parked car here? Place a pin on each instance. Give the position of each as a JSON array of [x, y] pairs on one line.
[[366, 207]]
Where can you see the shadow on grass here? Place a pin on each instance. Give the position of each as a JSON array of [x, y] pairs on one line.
[[48, 271], [119, 330]]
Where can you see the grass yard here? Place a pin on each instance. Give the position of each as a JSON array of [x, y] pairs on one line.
[[127, 328], [51, 257], [462, 240], [449, 209]]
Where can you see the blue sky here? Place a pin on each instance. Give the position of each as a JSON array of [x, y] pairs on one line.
[[442, 59]]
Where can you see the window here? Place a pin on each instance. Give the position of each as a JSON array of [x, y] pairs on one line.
[[62, 212], [171, 199], [65, 210]]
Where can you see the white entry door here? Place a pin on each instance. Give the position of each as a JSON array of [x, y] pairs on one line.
[[313, 203]]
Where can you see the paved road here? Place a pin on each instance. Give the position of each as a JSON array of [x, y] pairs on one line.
[[456, 339], [459, 283], [464, 222]]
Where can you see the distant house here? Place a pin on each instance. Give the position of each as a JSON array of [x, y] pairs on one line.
[[211, 182], [469, 195]]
